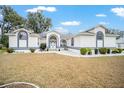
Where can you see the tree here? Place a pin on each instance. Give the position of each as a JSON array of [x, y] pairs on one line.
[[4, 40], [11, 20], [38, 22]]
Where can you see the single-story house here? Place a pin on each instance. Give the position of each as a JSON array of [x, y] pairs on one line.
[[120, 40], [96, 37]]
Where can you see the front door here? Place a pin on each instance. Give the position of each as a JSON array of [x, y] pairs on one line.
[[99, 43], [53, 45]]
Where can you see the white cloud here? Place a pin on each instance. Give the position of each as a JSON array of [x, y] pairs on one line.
[[61, 30], [104, 23], [71, 23], [41, 8], [119, 11], [101, 15]]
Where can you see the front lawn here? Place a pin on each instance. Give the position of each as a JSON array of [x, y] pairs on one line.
[[53, 70]]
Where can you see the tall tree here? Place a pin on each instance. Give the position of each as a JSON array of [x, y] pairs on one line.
[[11, 20], [38, 22]]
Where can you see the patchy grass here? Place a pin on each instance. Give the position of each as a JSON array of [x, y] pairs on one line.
[[53, 70]]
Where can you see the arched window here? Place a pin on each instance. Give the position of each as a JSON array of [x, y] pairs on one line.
[[63, 43], [72, 41], [53, 38], [99, 35], [22, 35]]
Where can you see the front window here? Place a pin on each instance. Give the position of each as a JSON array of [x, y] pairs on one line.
[[23, 35], [99, 35]]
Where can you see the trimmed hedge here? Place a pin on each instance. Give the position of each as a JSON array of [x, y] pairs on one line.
[[32, 50], [119, 50], [116, 50], [103, 50], [43, 46], [108, 51], [96, 51], [89, 51], [85, 51], [10, 50]]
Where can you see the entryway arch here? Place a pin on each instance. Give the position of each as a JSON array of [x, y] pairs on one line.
[[53, 42], [22, 39]]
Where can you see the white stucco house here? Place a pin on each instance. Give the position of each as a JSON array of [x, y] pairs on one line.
[[120, 40], [96, 37]]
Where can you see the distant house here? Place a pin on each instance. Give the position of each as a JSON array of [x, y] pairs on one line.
[[120, 40], [93, 38]]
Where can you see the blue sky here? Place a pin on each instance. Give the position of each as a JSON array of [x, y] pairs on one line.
[[75, 18]]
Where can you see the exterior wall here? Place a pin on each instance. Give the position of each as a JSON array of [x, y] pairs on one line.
[[69, 42], [33, 42], [12, 41], [120, 42], [43, 40], [85, 41], [120, 45], [110, 42]]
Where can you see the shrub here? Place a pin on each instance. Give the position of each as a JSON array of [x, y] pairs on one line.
[[96, 51], [43, 46], [108, 51], [116, 50], [32, 50], [119, 50], [10, 50], [89, 51], [83, 51], [5, 41], [103, 50]]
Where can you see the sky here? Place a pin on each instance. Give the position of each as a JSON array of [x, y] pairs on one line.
[[77, 18]]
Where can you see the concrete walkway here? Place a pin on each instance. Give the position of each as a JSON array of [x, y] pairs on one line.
[[70, 53]]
